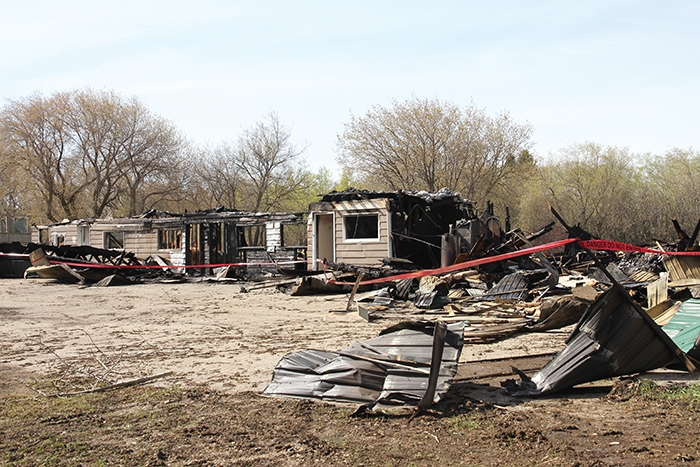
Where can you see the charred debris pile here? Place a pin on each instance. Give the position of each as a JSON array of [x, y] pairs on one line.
[[540, 291], [80, 264], [630, 312]]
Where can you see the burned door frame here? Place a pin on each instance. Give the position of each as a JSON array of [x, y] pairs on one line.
[[193, 250], [316, 257]]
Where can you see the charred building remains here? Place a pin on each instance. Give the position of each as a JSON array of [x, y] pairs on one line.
[[361, 227]]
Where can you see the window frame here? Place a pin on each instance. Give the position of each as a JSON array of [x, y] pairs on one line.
[[177, 233], [348, 239], [105, 241]]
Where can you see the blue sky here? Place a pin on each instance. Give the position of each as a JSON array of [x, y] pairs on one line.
[[615, 72]]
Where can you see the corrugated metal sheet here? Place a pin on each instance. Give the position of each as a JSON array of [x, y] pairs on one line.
[[390, 369], [615, 271], [511, 287], [684, 326], [612, 339]]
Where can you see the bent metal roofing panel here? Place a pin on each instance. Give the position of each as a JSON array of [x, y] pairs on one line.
[[390, 369], [684, 326], [613, 338]]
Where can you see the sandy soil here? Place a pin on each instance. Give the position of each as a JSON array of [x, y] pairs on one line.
[[222, 345], [207, 332]]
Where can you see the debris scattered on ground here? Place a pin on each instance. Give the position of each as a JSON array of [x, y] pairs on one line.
[[490, 281]]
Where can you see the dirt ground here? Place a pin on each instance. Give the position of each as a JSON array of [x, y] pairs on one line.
[[221, 345]]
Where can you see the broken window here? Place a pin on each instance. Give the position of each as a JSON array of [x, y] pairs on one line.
[[113, 240], [20, 225], [169, 239], [361, 227], [294, 234], [252, 235]]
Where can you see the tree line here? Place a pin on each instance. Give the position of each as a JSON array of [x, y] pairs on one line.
[[93, 154]]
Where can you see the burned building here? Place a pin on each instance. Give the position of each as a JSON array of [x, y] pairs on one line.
[[361, 227], [220, 236], [155, 233], [14, 229], [212, 237]]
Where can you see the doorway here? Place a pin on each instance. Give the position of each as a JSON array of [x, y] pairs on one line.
[[323, 237]]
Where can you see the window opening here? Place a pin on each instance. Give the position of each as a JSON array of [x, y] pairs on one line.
[[362, 227], [114, 240], [294, 234], [20, 225], [252, 235], [170, 239]]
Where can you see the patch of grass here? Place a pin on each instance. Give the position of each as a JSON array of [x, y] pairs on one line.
[[172, 393], [13, 408], [684, 393], [466, 422], [54, 449]]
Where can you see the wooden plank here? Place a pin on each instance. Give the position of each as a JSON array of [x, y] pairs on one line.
[[682, 267], [657, 291]]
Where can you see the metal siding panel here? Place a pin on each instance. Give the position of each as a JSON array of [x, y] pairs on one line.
[[684, 326], [682, 267]]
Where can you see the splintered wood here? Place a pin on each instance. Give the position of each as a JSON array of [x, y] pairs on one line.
[[486, 321]]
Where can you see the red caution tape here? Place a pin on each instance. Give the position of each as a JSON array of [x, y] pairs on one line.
[[465, 265], [607, 245], [600, 245]]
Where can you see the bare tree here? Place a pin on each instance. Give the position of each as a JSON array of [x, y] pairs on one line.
[[592, 185], [261, 171], [14, 199], [220, 176], [153, 170], [428, 144], [91, 152], [269, 164], [37, 140], [671, 190]]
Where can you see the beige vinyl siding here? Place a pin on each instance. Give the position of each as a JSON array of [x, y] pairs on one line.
[[69, 232], [310, 241], [144, 244], [96, 236], [363, 252], [141, 243]]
